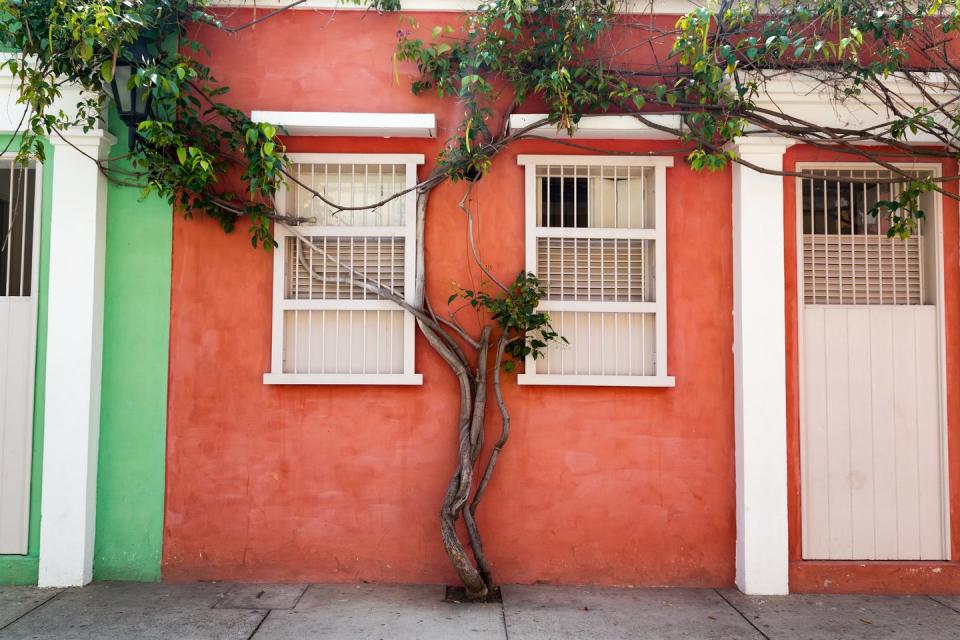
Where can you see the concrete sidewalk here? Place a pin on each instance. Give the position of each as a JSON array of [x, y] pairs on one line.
[[221, 611]]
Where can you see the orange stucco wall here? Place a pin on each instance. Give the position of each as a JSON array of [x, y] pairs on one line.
[[597, 485]]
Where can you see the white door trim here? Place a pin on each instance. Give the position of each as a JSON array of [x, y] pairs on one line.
[[18, 541], [937, 170]]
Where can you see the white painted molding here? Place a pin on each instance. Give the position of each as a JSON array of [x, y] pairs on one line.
[[74, 353], [388, 379], [605, 160], [558, 380], [670, 7], [96, 142], [331, 123], [811, 101], [12, 113], [620, 127], [759, 348]]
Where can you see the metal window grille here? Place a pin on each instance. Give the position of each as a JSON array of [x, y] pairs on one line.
[[17, 222], [328, 327], [847, 257], [596, 233]]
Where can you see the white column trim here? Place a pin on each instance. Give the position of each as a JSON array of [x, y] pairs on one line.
[[759, 348], [74, 352]]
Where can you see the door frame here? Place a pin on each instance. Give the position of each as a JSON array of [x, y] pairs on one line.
[[937, 170], [8, 159]]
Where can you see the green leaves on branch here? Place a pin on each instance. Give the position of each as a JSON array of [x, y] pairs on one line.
[[515, 311], [511, 50], [905, 211], [194, 150], [847, 47]]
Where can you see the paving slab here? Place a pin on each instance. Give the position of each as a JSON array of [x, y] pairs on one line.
[[18, 601], [132, 611], [949, 601], [851, 617], [382, 612], [602, 613], [261, 596]]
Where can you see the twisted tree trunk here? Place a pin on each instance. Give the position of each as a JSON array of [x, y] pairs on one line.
[[473, 378]]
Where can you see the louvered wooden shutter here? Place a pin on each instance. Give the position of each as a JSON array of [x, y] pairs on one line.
[[847, 256], [596, 239], [328, 327]]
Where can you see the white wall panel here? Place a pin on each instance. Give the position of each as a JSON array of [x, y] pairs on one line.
[[872, 476], [17, 349]]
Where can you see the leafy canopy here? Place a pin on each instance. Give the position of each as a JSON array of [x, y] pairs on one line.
[[576, 57], [583, 57]]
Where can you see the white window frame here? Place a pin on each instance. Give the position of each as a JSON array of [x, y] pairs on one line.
[[277, 376], [657, 234]]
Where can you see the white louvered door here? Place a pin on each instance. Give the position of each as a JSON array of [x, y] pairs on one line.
[[871, 391], [19, 248]]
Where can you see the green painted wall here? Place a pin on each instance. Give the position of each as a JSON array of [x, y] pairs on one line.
[[130, 476], [23, 569], [133, 410]]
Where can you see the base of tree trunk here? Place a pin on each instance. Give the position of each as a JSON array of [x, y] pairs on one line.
[[458, 595]]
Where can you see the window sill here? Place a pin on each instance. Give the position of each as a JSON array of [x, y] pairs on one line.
[[343, 378], [596, 381]]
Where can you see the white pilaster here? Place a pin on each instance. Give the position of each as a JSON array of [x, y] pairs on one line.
[[74, 341], [760, 368]]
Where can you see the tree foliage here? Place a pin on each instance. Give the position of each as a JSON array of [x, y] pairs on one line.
[[192, 142], [712, 68]]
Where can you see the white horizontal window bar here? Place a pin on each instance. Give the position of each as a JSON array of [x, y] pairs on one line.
[[623, 127], [597, 306], [339, 305], [356, 158], [546, 379], [334, 230], [344, 378], [594, 232], [351, 123], [854, 306], [606, 160]]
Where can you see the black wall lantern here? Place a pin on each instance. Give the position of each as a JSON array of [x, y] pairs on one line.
[[133, 103]]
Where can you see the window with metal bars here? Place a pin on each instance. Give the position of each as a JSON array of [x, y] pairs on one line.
[[330, 325], [847, 257], [17, 224], [596, 239]]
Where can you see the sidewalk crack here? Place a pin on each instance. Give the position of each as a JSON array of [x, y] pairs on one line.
[[944, 604], [503, 617], [31, 610], [256, 629], [742, 614]]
